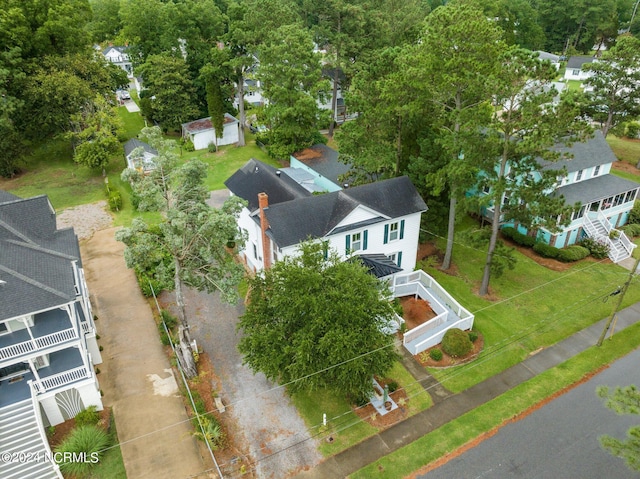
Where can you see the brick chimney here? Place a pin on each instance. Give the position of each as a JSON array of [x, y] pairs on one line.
[[263, 203]]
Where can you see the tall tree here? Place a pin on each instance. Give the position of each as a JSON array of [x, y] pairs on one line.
[[105, 21], [94, 133], [250, 23], [457, 55], [170, 86], [526, 127], [215, 104], [615, 80], [519, 21], [318, 321], [291, 76], [191, 233], [623, 400]]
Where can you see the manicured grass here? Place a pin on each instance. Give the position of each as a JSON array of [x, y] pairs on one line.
[[626, 175], [343, 424], [574, 85], [625, 149], [133, 122], [460, 431], [111, 466], [531, 307]]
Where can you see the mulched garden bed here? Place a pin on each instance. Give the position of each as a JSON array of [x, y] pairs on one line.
[[449, 361], [57, 434]]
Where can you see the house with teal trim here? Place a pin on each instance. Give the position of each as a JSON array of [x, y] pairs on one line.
[[605, 199]]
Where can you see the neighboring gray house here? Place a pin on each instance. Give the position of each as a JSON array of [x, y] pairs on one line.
[[202, 133], [575, 66], [140, 155], [48, 342], [554, 59]]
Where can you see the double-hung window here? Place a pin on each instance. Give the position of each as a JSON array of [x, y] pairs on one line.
[[393, 231]]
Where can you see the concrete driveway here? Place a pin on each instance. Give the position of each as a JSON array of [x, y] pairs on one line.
[[276, 436]]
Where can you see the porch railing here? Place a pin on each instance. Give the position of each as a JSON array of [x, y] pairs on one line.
[[61, 379], [40, 342]]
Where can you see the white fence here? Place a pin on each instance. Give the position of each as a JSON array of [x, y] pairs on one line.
[[29, 346]]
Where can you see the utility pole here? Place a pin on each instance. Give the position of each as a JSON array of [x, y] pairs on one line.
[[617, 306]]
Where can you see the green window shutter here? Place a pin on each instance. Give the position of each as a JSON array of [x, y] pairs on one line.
[[386, 234], [348, 247], [401, 229], [400, 259], [364, 239]]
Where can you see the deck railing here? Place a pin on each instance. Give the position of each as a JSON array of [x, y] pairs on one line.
[[61, 379], [40, 342]]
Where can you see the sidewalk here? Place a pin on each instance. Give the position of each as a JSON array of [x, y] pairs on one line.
[[137, 380], [451, 407]]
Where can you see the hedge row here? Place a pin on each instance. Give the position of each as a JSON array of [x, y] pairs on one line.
[[567, 255], [517, 237]]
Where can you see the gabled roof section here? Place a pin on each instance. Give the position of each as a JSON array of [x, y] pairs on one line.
[[204, 124], [323, 160], [36, 259], [256, 177], [316, 216], [595, 151], [134, 143], [548, 56], [578, 60]]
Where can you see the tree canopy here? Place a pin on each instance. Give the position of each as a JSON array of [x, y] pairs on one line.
[[318, 321], [623, 400]]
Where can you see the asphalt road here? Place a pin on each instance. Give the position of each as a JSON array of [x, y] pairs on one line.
[[560, 440]]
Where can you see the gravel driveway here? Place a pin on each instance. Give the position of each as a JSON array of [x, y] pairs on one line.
[[276, 436]]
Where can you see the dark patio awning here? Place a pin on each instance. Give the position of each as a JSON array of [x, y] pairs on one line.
[[379, 265]]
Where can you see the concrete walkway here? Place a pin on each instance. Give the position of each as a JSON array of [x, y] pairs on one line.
[[136, 376], [451, 407]]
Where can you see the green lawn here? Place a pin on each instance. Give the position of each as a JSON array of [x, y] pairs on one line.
[[531, 307], [343, 424], [625, 149], [495, 413]]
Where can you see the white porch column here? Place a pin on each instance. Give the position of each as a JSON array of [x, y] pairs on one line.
[[90, 394]]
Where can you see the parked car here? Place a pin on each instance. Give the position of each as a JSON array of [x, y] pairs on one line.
[[124, 95]]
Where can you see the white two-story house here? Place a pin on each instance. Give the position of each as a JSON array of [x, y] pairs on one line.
[[119, 56], [379, 221], [605, 199], [48, 342]]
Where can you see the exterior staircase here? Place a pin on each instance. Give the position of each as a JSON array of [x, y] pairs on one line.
[[24, 443], [599, 228]]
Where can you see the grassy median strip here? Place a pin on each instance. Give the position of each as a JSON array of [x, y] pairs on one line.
[[468, 427]]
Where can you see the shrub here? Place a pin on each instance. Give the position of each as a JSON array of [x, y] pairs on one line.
[[631, 230], [634, 214], [573, 253], [114, 199], [169, 319], [598, 249], [90, 416], [212, 431], [517, 237], [632, 130], [188, 146], [435, 354], [545, 250], [84, 439], [456, 342], [473, 336], [211, 147], [393, 386]]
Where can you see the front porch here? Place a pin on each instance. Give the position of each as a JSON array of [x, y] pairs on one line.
[[449, 313]]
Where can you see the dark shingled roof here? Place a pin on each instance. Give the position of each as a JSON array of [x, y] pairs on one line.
[[378, 264], [134, 143], [316, 216], [256, 177], [35, 257], [595, 151], [578, 60], [323, 160], [595, 189]]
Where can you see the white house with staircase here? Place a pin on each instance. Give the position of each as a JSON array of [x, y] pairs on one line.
[[605, 199], [48, 344]]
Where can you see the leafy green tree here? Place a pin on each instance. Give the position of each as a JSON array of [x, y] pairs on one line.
[[290, 72], [95, 134], [623, 400], [215, 103], [450, 68], [526, 127], [250, 23], [519, 21], [170, 85], [192, 234], [615, 80], [105, 21], [318, 321]]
